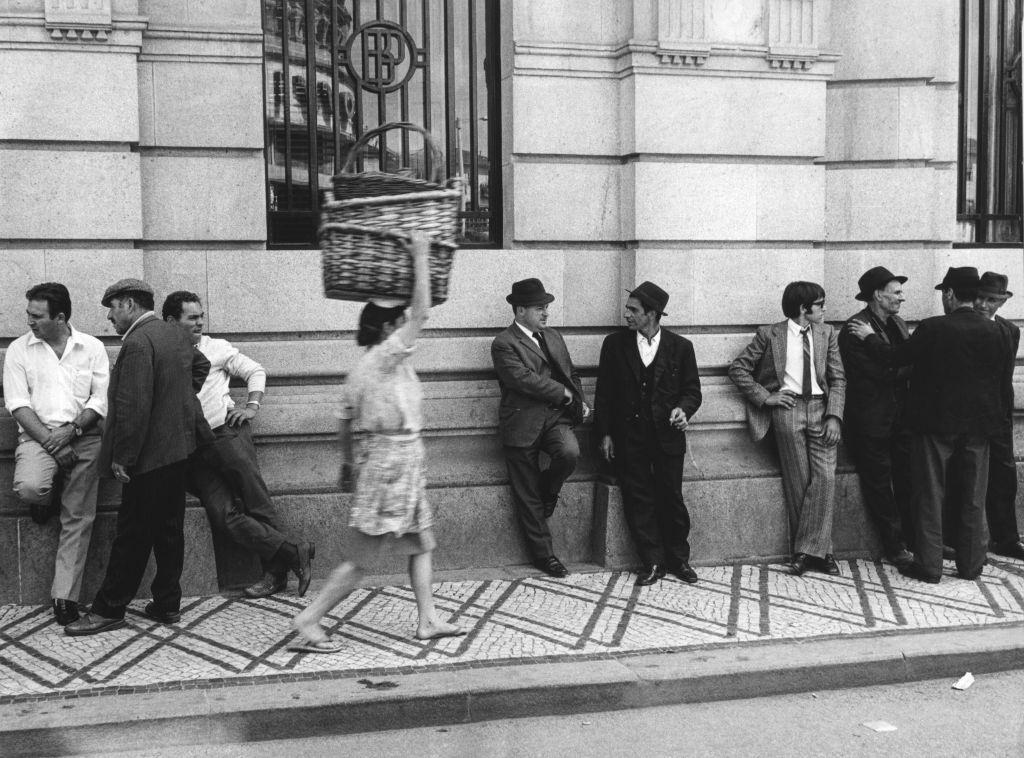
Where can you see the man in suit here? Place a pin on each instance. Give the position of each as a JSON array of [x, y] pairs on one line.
[[150, 432], [541, 401], [876, 395], [960, 366], [1001, 499], [792, 377], [647, 392]]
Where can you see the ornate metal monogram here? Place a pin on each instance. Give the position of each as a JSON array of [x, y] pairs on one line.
[[381, 56]]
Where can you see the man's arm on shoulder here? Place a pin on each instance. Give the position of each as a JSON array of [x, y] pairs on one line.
[[516, 375]]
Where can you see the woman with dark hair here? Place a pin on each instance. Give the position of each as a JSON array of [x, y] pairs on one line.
[[383, 399]]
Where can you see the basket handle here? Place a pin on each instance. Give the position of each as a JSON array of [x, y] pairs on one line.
[[435, 153]]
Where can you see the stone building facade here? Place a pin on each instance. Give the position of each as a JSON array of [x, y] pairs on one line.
[[721, 148]]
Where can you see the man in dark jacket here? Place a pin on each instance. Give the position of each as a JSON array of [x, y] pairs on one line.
[[1001, 500], [960, 362], [541, 401], [876, 394], [647, 392], [150, 432]]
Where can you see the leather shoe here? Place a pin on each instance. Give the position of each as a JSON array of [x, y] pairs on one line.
[[948, 553], [306, 553], [800, 563], [649, 575], [552, 566], [65, 611], [267, 586], [152, 611], [684, 572], [1010, 550], [90, 623], [901, 557], [916, 571], [827, 565]]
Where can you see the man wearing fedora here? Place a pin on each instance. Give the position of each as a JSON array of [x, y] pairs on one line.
[[1001, 500], [959, 366], [541, 401], [150, 431], [792, 377], [876, 395], [647, 392]]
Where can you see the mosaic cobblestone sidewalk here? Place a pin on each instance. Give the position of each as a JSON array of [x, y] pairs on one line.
[[231, 641]]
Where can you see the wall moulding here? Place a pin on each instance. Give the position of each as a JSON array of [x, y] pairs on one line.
[[682, 32], [78, 20]]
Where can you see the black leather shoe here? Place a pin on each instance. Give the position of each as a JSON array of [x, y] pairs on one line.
[[801, 562], [948, 553], [65, 611], [649, 575], [552, 566], [916, 571], [90, 623], [267, 586], [1010, 550], [901, 557], [152, 611], [301, 569], [684, 572], [827, 565]]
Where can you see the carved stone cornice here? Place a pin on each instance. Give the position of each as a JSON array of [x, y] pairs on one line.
[[792, 42], [78, 20], [682, 32]]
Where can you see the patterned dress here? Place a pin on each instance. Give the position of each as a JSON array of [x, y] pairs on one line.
[[383, 397]]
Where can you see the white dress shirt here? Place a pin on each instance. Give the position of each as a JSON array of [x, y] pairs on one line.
[[56, 388], [794, 379], [226, 362], [648, 347]]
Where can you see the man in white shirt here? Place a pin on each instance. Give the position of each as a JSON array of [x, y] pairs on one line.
[[804, 406], [55, 386], [226, 476]]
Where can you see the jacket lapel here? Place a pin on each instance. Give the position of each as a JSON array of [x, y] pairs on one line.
[[520, 335], [820, 347], [779, 349], [633, 356], [659, 357]]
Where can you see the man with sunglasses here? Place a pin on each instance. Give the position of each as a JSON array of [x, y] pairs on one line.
[[792, 377]]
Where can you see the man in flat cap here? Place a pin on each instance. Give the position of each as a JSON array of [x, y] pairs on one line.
[[792, 377], [960, 363], [876, 395], [1001, 500], [647, 392], [150, 432], [541, 402]]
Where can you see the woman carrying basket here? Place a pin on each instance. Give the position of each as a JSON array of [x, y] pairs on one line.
[[390, 510]]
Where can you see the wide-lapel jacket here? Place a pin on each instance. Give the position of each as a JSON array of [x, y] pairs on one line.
[[152, 413], [620, 373], [875, 391], [760, 369], [1013, 331], [530, 389]]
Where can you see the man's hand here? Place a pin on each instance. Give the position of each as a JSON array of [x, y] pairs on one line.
[[237, 415], [587, 410], [120, 473], [832, 431], [677, 418], [58, 438], [781, 398], [418, 244], [607, 448], [860, 330], [66, 457], [566, 395]]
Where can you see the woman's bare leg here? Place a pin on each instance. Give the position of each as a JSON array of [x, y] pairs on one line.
[[421, 574], [340, 583]]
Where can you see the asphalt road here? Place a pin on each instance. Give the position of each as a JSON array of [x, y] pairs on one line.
[[929, 717]]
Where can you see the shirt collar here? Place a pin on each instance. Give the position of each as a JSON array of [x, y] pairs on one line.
[[526, 331], [795, 329], [653, 341], [75, 338], [135, 323]]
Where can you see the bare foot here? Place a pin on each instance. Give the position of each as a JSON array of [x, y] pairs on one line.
[[437, 629], [310, 632]]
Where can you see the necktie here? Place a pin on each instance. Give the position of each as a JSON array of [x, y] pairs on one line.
[[806, 383], [539, 336]]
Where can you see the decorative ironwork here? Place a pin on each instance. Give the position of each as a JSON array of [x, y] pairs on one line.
[[387, 56]]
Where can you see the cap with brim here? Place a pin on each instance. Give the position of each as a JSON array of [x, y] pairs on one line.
[[651, 295], [122, 287], [529, 292], [994, 285]]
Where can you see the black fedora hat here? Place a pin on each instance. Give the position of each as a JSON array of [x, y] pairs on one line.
[[994, 285], [963, 277], [529, 292], [651, 295], [874, 279]]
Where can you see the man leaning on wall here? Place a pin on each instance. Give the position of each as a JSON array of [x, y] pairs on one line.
[[55, 386]]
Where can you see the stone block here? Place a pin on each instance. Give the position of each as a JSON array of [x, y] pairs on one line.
[[19, 270], [87, 272], [590, 22], [704, 115], [63, 194], [222, 107], [790, 202], [863, 123], [213, 197], [10, 559], [694, 201], [171, 270], [85, 96], [673, 271], [549, 122], [223, 15], [844, 266], [611, 545], [568, 201], [897, 203], [945, 125], [918, 112]]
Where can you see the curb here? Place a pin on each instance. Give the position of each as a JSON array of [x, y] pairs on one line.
[[288, 710]]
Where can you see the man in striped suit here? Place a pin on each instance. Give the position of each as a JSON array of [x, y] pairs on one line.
[[792, 377]]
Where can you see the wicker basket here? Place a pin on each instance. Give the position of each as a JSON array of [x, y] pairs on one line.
[[363, 234]]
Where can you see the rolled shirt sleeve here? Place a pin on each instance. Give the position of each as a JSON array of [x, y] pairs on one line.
[[16, 391]]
